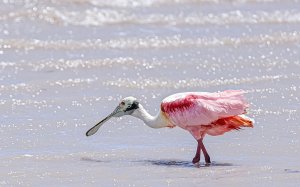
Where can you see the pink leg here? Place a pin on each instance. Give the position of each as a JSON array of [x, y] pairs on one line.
[[199, 148], [196, 159], [206, 156]]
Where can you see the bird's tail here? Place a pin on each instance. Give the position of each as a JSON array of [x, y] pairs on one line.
[[240, 121], [235, 122]]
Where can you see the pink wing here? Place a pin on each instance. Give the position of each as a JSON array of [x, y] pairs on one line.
[[202, 108]]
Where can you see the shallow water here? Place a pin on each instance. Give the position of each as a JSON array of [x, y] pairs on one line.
[[66, 64]]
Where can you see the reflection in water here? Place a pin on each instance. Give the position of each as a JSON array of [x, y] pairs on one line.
[[167, 163], [291, 171], [179, 163], [93, 160]]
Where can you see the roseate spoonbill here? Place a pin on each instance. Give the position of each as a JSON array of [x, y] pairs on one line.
[[200, 113]]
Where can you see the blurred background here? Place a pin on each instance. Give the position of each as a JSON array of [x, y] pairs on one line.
[[65, 64]]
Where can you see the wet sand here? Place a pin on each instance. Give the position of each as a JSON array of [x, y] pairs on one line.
[[66, 64]]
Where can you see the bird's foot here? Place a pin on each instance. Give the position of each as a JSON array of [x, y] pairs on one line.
[[196, 159], [207, 160]]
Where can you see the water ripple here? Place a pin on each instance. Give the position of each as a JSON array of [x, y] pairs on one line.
[[153, 3], [175, 41], [192, 83], [98, 17]]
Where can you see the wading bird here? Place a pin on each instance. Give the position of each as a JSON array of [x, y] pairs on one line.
[[200, 113]]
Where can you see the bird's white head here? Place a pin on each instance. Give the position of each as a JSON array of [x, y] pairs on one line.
[[126, 107]]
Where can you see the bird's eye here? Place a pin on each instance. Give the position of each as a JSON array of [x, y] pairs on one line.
[[122, 103]]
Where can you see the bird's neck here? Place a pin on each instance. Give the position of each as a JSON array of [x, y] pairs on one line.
[[152, 121]]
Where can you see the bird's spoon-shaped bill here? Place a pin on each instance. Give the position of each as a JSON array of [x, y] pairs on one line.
[[94, 129]]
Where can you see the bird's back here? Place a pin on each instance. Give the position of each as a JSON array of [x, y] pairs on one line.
[[203, 108]]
